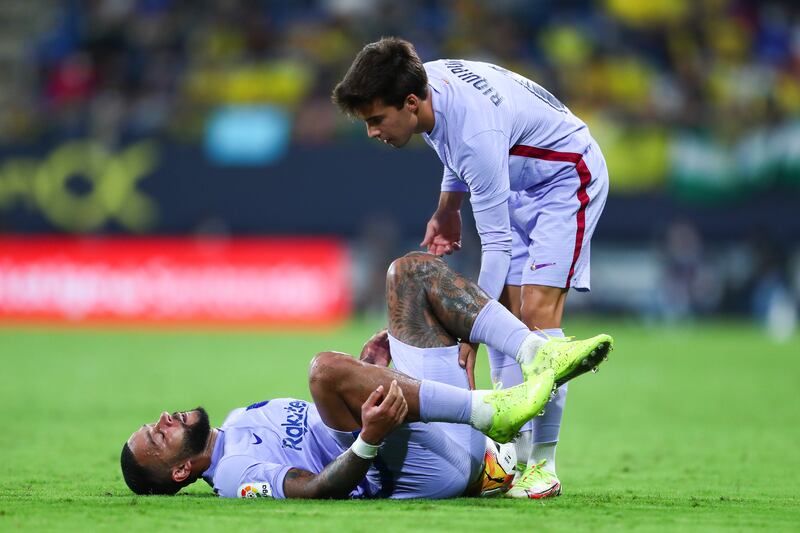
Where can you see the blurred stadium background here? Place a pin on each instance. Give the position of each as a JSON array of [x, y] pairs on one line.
[[179, 163], [186, 119]]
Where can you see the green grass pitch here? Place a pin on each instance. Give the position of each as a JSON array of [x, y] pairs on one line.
[[693, 427]]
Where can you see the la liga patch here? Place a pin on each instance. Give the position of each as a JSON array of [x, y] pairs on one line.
[[255, 489]]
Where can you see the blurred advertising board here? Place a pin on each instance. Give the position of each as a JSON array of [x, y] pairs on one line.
[[248, 281]]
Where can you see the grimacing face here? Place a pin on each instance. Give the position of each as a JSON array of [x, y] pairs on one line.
[[170, 439], [391, 125]]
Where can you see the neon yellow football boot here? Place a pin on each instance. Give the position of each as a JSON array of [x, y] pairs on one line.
[[514, 406], [535, 483], [566, 357]]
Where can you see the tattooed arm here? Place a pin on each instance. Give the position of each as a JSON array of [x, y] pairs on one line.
[[337, 480], [380, 414]]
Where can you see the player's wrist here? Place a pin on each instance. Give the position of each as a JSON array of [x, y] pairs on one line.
[[449, 210], [364, 449], [371, 437]]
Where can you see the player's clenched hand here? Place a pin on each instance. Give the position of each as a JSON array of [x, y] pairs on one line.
[[376, 349], [443, 232], [382, 412], [466, 359]]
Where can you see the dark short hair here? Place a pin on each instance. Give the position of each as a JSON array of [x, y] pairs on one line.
[[142, 480], [389, 70]]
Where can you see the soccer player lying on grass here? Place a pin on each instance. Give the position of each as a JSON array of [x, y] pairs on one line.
[[413, 432]]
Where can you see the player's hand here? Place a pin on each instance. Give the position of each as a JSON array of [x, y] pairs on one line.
[[443, 232], [466, 359], [382, 412], [376, 349]]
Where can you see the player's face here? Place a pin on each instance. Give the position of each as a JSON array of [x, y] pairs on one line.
[[171, 438], [391, 125]]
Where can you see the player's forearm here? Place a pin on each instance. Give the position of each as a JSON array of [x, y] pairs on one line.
[[450, 200], [494, 269], [494, 228], [336, 481]]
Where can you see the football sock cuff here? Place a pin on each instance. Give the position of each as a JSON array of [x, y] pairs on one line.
[[495, 326]]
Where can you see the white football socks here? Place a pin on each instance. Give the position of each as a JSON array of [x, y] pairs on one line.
[[544, 451], [522, 445], [529, 347], [481, 414]]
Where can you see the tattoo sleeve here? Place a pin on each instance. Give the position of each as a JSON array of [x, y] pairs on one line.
[[430, 304], [336, 481]]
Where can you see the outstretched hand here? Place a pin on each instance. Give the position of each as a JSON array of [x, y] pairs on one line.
[[382, 412], [443, 233], [467, 352]]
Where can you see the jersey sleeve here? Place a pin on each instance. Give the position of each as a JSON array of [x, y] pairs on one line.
[[494, 227], [243, 476], [483, 161], [452, 183]]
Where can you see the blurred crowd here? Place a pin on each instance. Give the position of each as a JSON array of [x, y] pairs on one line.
[[112, 68], [697, 97]]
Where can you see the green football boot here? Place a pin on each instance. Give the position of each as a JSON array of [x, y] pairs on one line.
[[535, 483], [514, 406], [566, 357]]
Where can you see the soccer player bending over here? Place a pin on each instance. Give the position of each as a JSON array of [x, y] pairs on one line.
[[537, 183], [373, 432]]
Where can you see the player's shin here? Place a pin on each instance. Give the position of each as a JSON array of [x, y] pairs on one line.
[[440, 402], [506, 372], [547, 427], [498, 328]]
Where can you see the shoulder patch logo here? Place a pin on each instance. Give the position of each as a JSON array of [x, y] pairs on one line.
[[255, 489]]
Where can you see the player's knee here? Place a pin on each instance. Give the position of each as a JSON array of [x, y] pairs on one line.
[[324, 369], [409, 265]]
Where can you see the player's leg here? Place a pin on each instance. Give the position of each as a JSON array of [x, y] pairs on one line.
[[430, 306], [426, 461], [448, 456], [340, 385], [562, 215], [542, 307], [504, 368], [412, 323], [438, 459]]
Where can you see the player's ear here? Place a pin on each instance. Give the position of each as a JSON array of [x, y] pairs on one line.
[[412, 102], [182, 471]]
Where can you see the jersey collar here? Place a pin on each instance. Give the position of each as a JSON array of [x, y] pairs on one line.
[[216, 455], [438, 97]]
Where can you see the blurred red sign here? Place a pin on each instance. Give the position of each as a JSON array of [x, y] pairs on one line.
[[269, 281]]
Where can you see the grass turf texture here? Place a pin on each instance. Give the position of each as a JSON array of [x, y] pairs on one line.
[[689, 427]]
